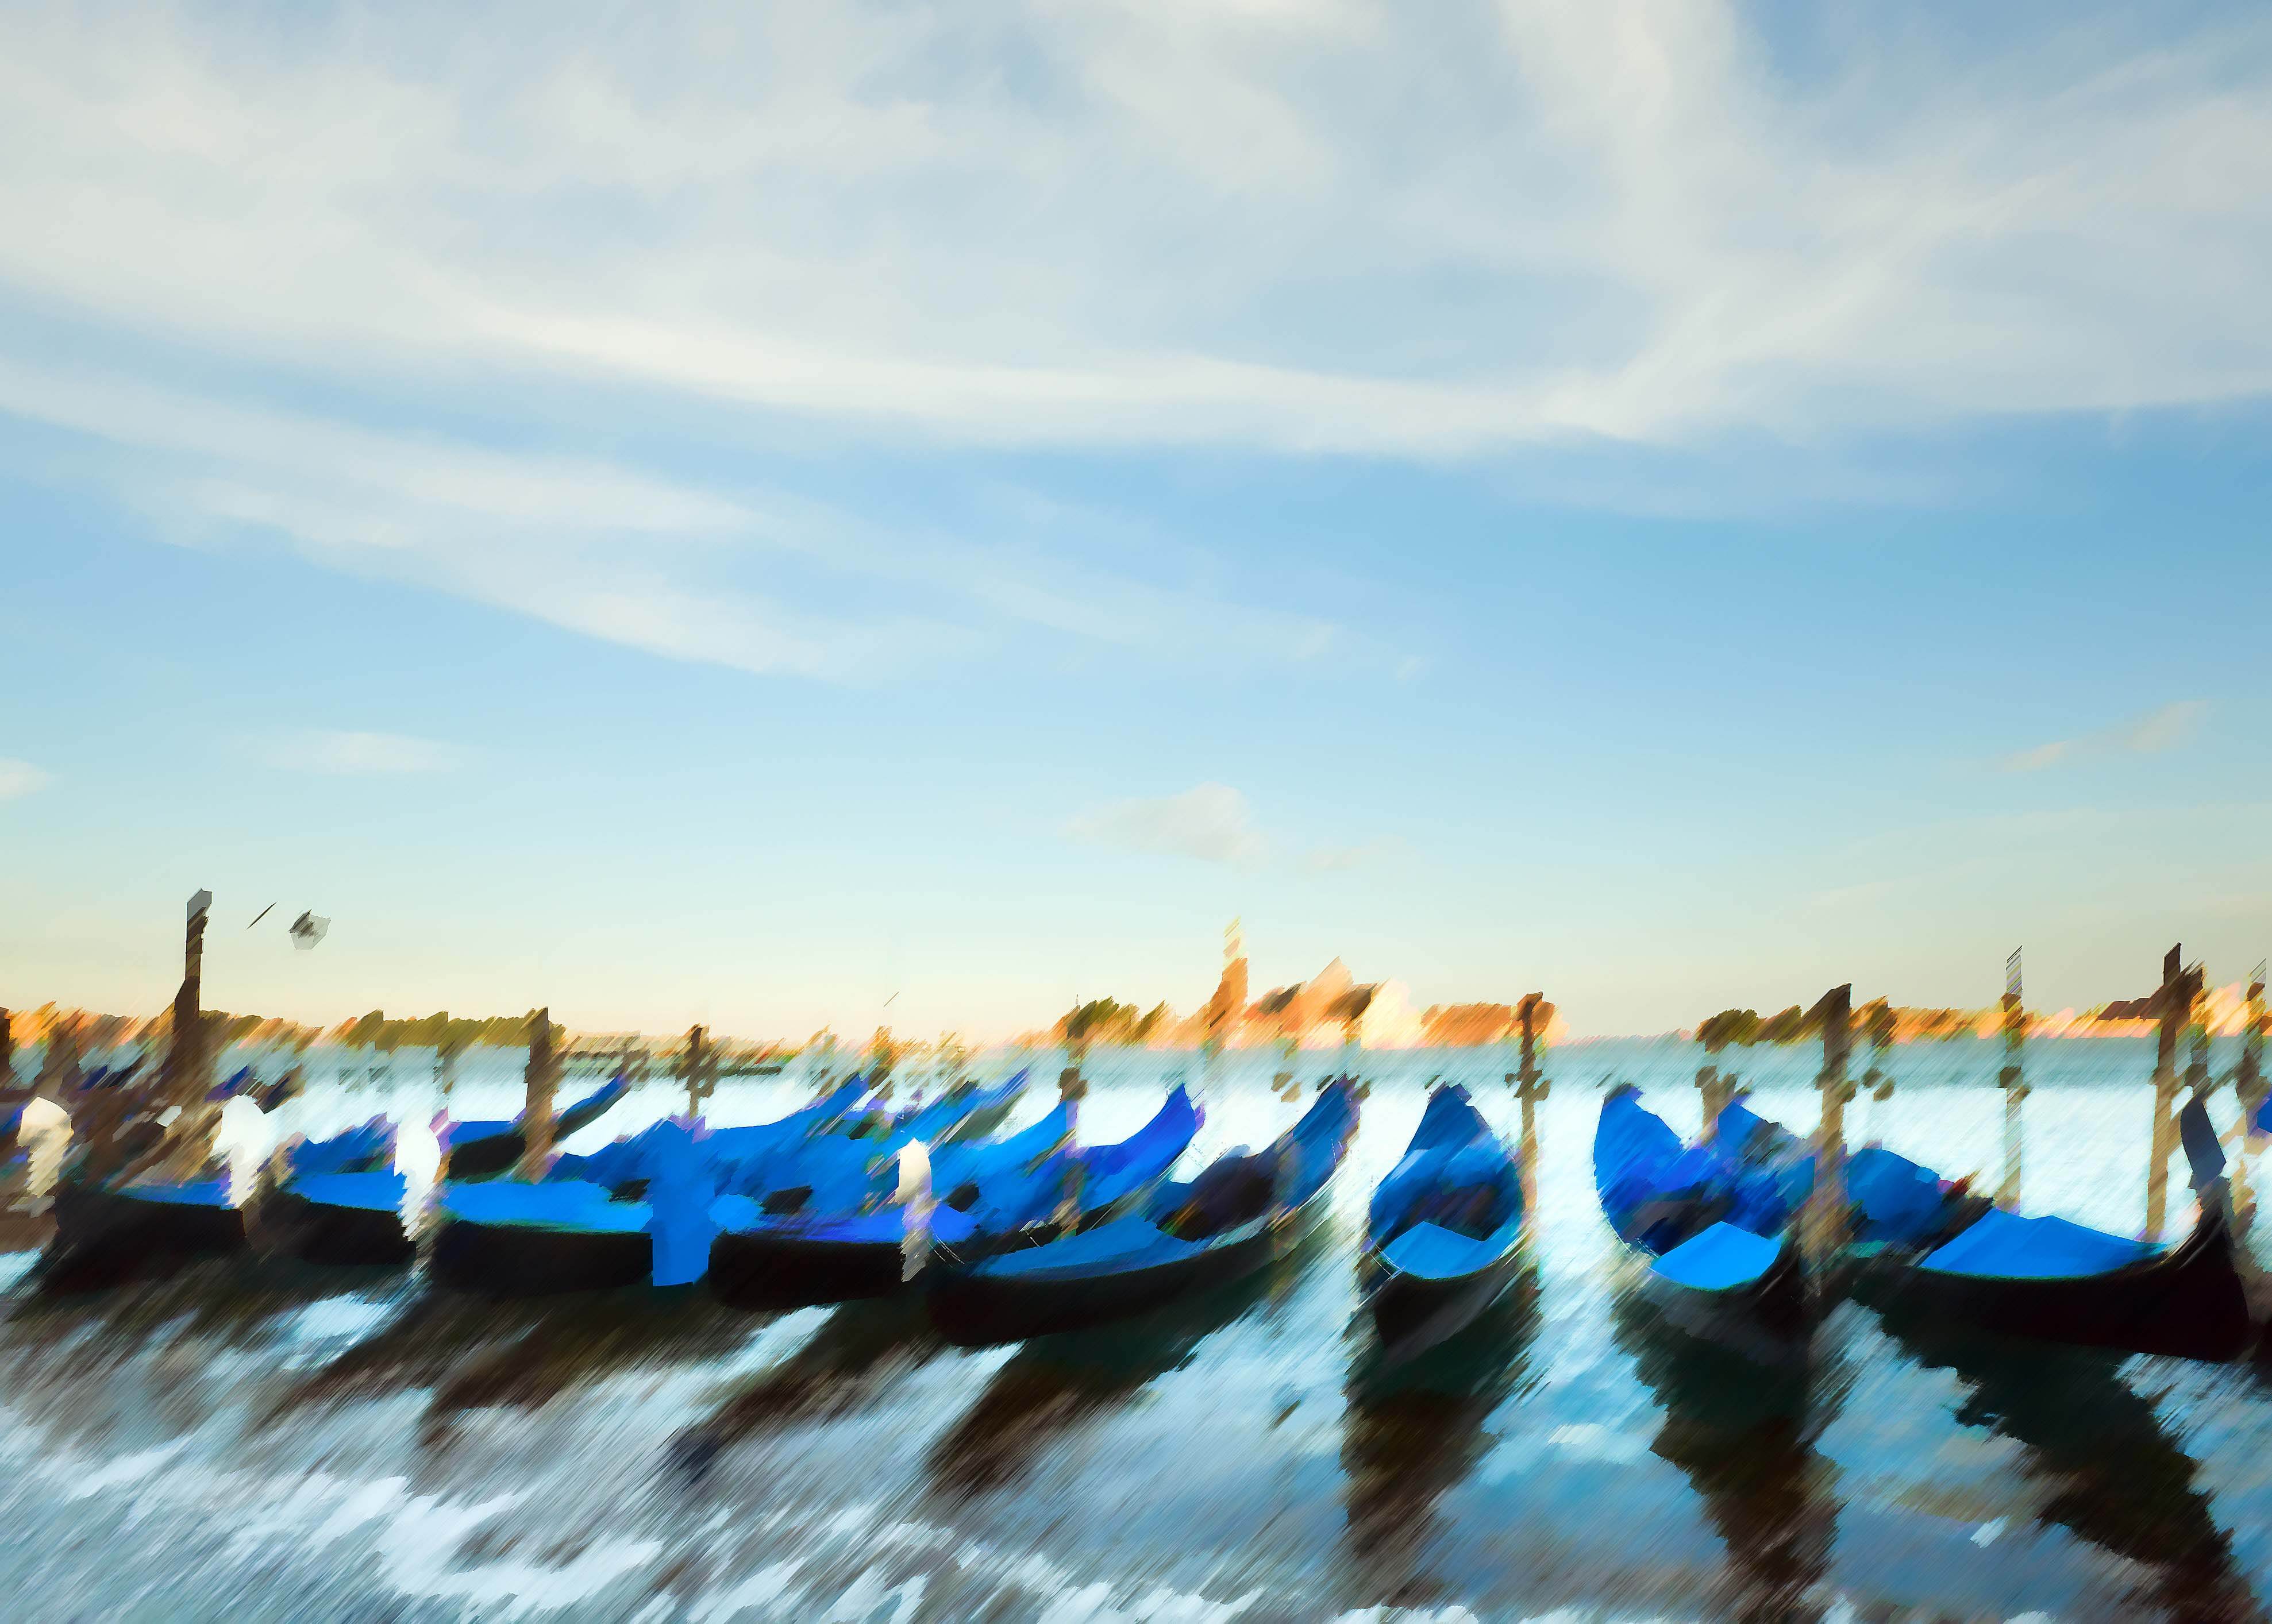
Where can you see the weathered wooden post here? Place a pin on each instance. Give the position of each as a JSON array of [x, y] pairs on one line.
[[700, 1069], [1353, 1005], [1289, 1049], [1530, 1089], [2197, 1077], [1225, 1008], [539, 1082], [185, 1078], [2173, 1007], [882, 1062], [59, 1061], [1876, 1020], [1071, 1084], [1825, 1231], [2248, 1086], [1714, 1090], [2012, 1080]]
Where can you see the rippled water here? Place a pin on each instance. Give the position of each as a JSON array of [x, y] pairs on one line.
[[247, 1441]]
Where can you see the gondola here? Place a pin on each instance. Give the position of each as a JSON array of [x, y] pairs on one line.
[[1715, 1221], [1442, 1235], [1239, 1212], [341, 1199], [1930, 1253], [105, 1233], [485, 1149], [109, 1229], [842, 1237], [638, 1211]]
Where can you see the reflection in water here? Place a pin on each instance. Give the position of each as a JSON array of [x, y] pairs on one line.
[[577, 1340], [1744, 1436], [856, 1356], [135, 1367], [2113, 1474], [224, 1302], [472, 1352], [1413, 1430], [1053, 1384]]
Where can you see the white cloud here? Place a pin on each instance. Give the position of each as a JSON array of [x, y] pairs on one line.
[[1210, 822], [20, 777], [650, 563], [1342, 859], [1341, 226], [2171, 725], [1544, 228], [2157, 730], [326, 750]]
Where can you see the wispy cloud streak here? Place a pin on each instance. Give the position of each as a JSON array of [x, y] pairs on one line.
[[1209, 822], [334, 751], [1118, 224], [2157, 730], [20, 777]]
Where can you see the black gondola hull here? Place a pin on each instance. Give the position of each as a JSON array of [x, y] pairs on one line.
[[485, 1158], [1769, 1320], [780, 1271], [517, 1260], [982, 1310], [103, 1236], [323, 1232], [2188, 1303], [1413, 1312]]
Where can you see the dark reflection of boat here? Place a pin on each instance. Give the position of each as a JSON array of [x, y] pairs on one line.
[[1412, 1430], [1055, 1384], [230, 1302], [472, 1353], [2113, 1472], [1744, 1436], [575, 1344], [857, 1353], [156, 1360]]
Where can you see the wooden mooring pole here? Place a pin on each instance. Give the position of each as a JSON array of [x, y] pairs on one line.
[[1356, 1003], [1824, 1234], [188, 1071], [1530, 1089], [1877, 1085], [185, 1078], [2248, 1086], [539, 1080], [2012, 1080], [446, 1060], [700, 1069], [2174, 1004], [59, 1059], [1072, 1085], [1714, 1087]]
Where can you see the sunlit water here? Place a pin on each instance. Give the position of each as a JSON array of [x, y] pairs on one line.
[[246, 1441]]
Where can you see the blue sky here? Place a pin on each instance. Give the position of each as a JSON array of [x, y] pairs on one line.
[[705, 514]]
